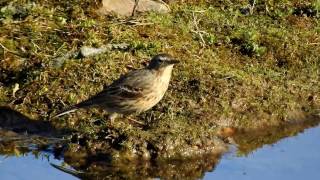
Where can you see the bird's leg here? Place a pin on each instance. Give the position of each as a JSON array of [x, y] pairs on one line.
[[112, 117], [136, 121]]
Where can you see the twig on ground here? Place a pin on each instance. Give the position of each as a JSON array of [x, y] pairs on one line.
[[8, 50], [197, 30]]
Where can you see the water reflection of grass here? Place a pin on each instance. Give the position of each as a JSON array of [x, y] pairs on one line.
[[250, 140]]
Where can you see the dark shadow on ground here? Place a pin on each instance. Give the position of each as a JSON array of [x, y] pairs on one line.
[[20, 135], [14, 121]]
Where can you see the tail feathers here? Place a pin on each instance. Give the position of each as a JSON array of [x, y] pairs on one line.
[[70, 110]]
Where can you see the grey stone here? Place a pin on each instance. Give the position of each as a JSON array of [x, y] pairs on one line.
[[126, 7], [86, 51]]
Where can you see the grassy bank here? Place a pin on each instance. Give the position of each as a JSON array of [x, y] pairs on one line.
[[242, 65]]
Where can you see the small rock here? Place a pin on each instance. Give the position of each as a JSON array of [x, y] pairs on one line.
[[58, 62], [86, 51], [126, 7], [156, 6]]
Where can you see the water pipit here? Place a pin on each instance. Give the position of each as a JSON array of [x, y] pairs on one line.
[[134, 92]]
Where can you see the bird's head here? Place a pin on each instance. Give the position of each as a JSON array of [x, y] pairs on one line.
[[161, 61]]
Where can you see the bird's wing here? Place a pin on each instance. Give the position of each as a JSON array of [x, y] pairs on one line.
[[124, 91], [112, 94], [129, 86]]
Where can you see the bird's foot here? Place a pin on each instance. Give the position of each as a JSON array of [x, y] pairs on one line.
[[112, 117], [136, 121]]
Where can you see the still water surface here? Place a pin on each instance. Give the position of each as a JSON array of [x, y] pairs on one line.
[[293, 158], [297, 157]]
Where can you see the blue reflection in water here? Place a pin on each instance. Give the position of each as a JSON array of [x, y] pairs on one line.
[[293, 158], [28, 167]]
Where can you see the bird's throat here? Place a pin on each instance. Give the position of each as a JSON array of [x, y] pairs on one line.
[[165, 74]]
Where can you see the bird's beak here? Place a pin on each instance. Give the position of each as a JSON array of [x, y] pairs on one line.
[[173, 61]]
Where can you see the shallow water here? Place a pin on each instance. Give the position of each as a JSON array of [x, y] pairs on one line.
[[296, 157], [28, 167], [292, 158]]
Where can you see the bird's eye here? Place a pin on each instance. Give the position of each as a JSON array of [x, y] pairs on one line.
[[160, 60]]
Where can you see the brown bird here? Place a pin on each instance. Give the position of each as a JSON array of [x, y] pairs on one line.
[[134, 92]]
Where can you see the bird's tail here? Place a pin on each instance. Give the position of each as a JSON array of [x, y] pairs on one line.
[[67, 111], [84, 104]]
